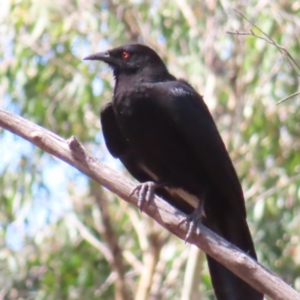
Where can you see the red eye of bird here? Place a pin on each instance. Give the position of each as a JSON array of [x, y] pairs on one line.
[[125, 55]]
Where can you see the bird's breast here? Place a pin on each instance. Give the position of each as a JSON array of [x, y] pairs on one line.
[[136, 116]]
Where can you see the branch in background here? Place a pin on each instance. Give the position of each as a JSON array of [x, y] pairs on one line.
[[150, 260], [91, 239], [73, 153], [276, 188], [292, 62], [171, 279], [288, 97], [111, 238], [192, 275]]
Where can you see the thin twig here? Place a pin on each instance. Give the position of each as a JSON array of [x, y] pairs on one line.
[[292, 62], [111, 239], [289, 97], [268, 39], [91, 239], [275, 189]]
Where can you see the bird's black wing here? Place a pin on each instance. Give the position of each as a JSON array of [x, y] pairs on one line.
[[114, 140], [117, 145], [191, 117], [118, 148]]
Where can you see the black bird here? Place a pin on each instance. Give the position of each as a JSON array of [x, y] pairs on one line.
[[162, 131]]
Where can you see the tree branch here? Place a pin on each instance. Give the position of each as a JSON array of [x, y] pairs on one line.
[[111, 238], [73, 153], [292, 62]]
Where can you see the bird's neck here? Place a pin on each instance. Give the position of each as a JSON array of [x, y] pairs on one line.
[[147, 75], [127, 79]]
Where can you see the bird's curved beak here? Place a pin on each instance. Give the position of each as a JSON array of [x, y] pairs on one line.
[[104, 56]]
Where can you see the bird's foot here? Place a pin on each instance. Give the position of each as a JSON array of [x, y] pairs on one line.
[[193, 220], [145, 192]]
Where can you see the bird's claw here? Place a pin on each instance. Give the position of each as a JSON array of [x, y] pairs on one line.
[[193, 221], [145, 192]]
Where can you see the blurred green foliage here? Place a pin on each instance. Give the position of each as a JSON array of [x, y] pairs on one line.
[[54, 241]]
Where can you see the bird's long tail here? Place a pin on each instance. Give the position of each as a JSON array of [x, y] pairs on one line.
[[232, 226], [228, 286]]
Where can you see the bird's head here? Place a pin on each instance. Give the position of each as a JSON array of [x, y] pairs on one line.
[[132, 59]]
